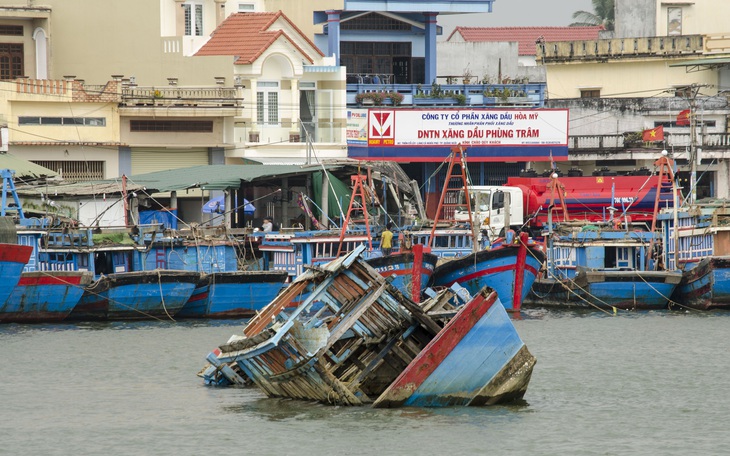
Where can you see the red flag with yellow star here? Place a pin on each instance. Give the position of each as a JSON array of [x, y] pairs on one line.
[[655, 134], [683, 117]]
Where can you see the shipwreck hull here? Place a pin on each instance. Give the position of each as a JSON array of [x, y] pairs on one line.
[[477, 359], [409, 272], [706, 286]]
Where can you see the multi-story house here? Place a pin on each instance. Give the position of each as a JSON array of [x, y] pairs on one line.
[[665, 59]]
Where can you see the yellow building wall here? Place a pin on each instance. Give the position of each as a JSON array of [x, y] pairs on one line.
[[71, 133], [633, 79], [698, 16]]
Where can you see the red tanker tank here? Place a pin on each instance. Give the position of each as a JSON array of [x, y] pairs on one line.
[[588, 198]]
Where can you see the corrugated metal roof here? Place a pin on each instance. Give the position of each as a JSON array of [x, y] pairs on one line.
[[707, 61], [24, 168], [214, 177], [207, 177]]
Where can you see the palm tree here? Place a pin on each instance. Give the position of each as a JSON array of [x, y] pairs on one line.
[[603, 14]]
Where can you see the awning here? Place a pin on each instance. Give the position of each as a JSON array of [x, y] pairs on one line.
[[702, 64]]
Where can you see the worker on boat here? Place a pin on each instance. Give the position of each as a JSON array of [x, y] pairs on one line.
[[386, 240], [268, 225]]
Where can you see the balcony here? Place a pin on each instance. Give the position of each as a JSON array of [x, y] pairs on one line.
[[452, 95], [171, 96], [715, 145], [620, 49]]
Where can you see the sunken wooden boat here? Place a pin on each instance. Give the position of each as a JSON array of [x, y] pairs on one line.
[[355, 334], [44, 296], [138, 295]]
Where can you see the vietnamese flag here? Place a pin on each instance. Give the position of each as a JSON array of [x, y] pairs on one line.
[[655, 134], [683, 118]]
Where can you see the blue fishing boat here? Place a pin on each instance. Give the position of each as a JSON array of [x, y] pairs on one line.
[[352, 346], [13, 258], [136, 295], [477, 359], [237, 294], [44, 296], [510, 269], [604, 268], [697, 242], [222, 290]]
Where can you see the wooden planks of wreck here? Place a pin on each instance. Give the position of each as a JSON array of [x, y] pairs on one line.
[[355, 339]]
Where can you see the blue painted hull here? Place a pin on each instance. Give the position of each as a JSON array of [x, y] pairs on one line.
[[706, 286], [477, 359], [628, 290], [491, 268], [46, 296], [237, 294], [158, 294], [399, 269], [13, 258]]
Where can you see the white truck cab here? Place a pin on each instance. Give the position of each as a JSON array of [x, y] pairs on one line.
[[493, 208]]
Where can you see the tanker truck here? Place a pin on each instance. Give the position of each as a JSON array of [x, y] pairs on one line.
[[523, 203]]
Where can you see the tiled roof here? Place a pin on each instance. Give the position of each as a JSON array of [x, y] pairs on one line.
[[247, 36], [527, 36]]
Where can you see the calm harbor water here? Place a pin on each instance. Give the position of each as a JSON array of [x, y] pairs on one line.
[[651, 383]]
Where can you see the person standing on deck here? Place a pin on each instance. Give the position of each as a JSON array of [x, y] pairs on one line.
[[268, 225], [386, 240]]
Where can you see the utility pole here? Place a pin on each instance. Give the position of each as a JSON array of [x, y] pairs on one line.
[[692, 93]]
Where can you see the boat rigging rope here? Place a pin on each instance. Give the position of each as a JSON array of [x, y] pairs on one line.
[[162, 295]]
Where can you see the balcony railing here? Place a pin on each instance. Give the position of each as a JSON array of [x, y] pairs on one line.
[[182, 96], [472, 95], [624, 48], [617, 142]]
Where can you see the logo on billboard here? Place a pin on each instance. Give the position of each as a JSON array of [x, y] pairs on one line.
[[382, 128]]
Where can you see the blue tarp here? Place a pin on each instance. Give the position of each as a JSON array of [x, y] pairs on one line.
[[218, 206], [167, 218]]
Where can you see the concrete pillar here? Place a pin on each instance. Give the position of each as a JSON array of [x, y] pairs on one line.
[[295, 131], [253, 134], [430, 24], [284, 203], [722, 178], [125, 161], [333, 35], [325, 200], [179, 18], [220, 11]]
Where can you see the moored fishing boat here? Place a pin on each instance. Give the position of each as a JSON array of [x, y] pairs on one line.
[[603, 268], [510, 269], [236, 294], [13, 258], [44, 296], [697, 241], [136, 295]]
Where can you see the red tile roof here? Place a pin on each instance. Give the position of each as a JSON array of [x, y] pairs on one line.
[[247, 36], [527, 36]]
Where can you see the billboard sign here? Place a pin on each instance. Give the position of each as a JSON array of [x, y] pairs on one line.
[[488, 134]]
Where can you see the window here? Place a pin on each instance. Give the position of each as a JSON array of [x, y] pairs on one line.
[[66, 121], [193, 19], [180, 126], [11, 30], [11, 61], [267, 103], [590, 93], [75, 170], [674, 21], [244, 7]]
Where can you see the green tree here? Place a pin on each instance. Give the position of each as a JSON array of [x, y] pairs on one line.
[[603, 14]]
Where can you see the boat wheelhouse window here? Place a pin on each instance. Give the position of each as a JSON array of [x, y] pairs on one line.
[[624, 257]]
